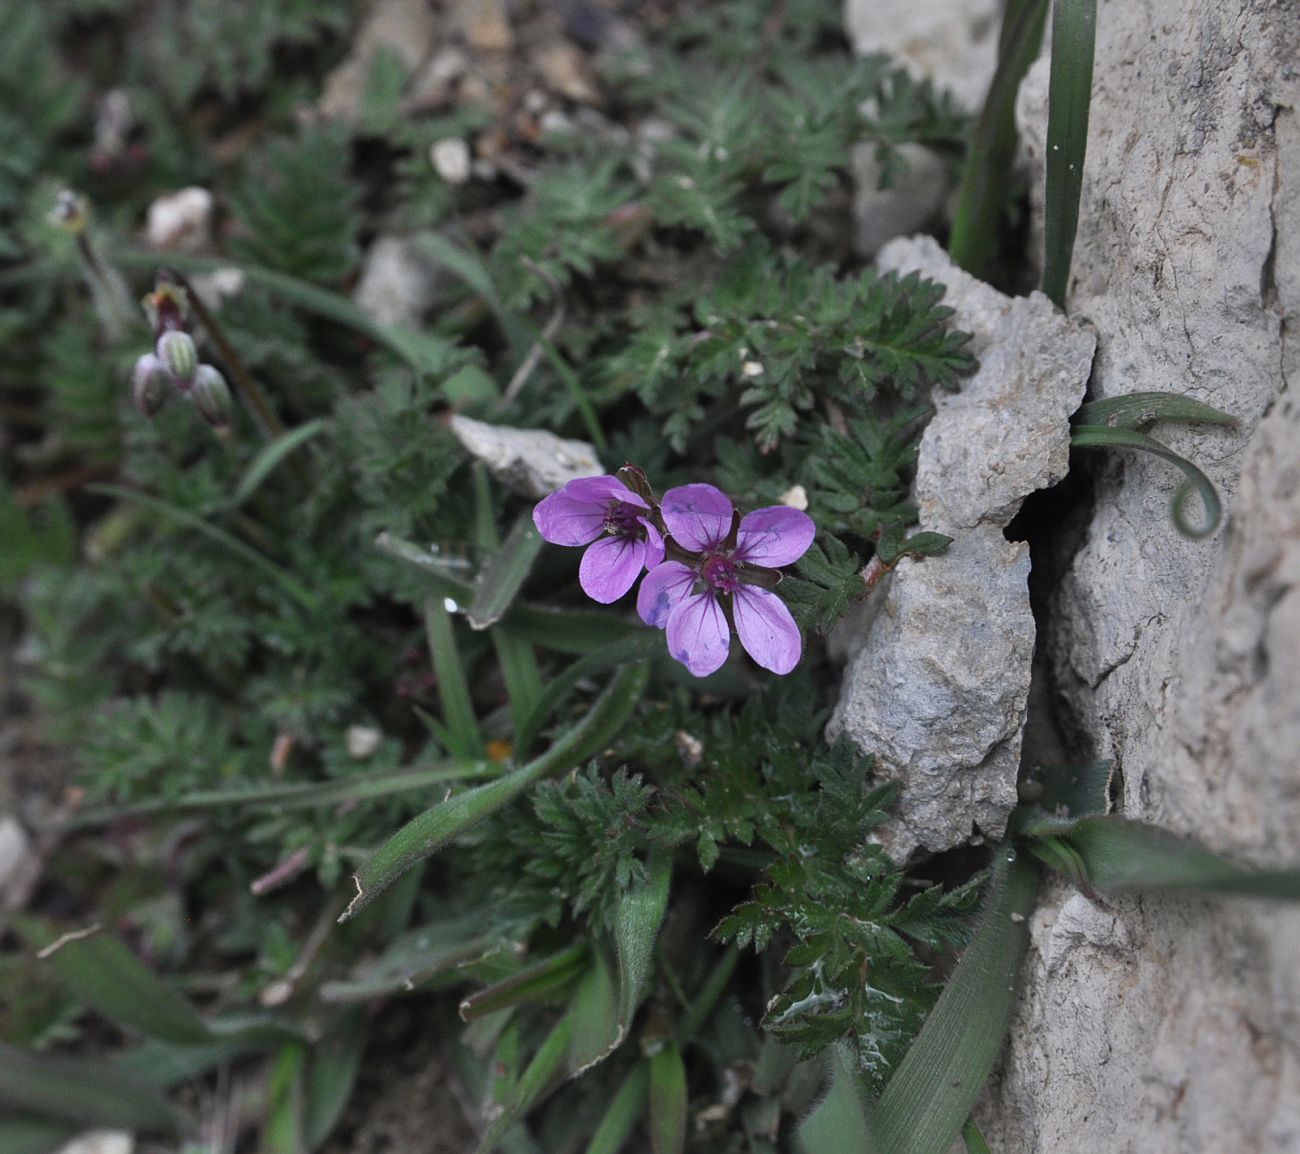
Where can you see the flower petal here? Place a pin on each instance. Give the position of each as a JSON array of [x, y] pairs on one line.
[[654, 544], [610, 567], [602, 490], [698, 634], [562, 520], [698, 516], [661, 591], [775, 536], [766, 629]]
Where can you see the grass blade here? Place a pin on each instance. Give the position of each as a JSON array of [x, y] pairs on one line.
[[1134, 410], [1112, 853], [1074, 32], [433, 829], [301, 795], [540, 1076], [838, 1124], [331, 1077], [1094, 437], [82, 1091], [623, 1114], [985, 188], [597, 1032], [974, 1140], [668, 1100], [504, 573], [464, 736], [34, 1135], [270, 457], [931, 1094], [533, 983], [639, 914], [101, 972]]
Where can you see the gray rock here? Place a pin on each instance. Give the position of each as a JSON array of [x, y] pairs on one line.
[[1179, 659], [938, 689], [405, 29], [914, 199], [532, 462], [15, 849], [397, 283], [953, 42]]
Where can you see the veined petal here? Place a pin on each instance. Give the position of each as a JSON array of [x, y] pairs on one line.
[[602, 490], [663, 589], [654, 544], [563, 520], [698, 634], [766, 629], [698, 516], [775, 536], [610, 567]]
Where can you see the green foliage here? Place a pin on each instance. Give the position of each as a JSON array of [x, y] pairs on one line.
[[297, 208], [829, 584]]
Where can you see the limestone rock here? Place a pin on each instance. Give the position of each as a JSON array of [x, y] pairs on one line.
[[1178, 659], [181, 220], [915, 197], [403, 28], [954, 42], [533, 462], [397, 282], [938, 689]]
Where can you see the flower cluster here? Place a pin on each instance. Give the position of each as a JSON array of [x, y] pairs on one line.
[[709, 571], [174, 365]]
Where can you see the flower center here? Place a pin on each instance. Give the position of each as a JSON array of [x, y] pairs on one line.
[[621, 519], [720, 574]]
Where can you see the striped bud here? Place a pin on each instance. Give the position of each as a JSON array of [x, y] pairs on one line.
[[211, 396], [179, 356], [150, 384]]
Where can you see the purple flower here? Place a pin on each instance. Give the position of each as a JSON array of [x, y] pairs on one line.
[[698, 602], [604, 511]]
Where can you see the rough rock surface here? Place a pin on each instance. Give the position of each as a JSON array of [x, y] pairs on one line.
[[533, 462], [397, 282], [938, 689], [405, 29], [954, 42], [915, 197], [1151, 1024]]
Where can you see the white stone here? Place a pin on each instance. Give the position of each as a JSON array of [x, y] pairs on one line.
[[533, 462], [1180, 659], [181, 220], [362, 741], [451, 160], [397, 283], [15, 846], [915, 198], [938, 688], [100, 1142], [406, 29], [953, 42]]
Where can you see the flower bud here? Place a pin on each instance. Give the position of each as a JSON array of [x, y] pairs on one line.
[[179, 356], [211, 396], [150, 384]]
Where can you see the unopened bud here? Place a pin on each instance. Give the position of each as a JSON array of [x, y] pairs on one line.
[[179, 356], [634, 478], [71, 212], [211, 396], [150, 384]]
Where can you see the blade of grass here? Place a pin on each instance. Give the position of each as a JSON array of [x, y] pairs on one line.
[[270, 457], [668, 1100], [503, 574], [540, 1076], [331, 1076], [226, 540], [931, 1094], [1133, 410], [464, 736], [637, 919], [561, 630], [300, 795], [533, 983], [1094, 437], [985, 188], [433, 829], [521, 673], [1116, 854], [974, 1140], [594, 1009], [624, 1112], [1074, 34], [101, 972], [34, 1135], [838, 1124], [84, 1091]]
